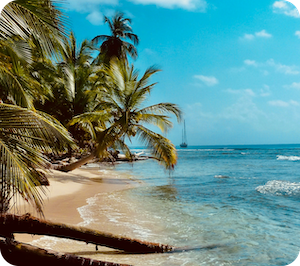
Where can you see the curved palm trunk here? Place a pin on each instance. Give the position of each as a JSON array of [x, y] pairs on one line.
[[104, 140], [77, 164], [27, 224], [22, 254]]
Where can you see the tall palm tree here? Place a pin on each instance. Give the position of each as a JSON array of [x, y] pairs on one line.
[[115, 45], [123, 116]]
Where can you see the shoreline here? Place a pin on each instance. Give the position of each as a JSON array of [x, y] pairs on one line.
[[95, 198], [70, 191]]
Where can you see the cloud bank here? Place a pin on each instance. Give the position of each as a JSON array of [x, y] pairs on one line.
[[286, 8]]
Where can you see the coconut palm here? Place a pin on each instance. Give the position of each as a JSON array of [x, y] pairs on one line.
[[72, 78], [115, 45], [123, 116]]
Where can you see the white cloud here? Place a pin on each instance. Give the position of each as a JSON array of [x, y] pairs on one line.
[[199, 5], [286, 8], [280, 103], [250, 62], [244, 110], [258, 34], [96, 18], [248, 36], [207, 80], [297, 33], [288, 70], [263, 34], [294, 85], [285, 69], [280, 4], [244, 92], [93, 8]]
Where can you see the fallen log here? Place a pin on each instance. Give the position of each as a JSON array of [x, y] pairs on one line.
[[10, 224], [21, 254]]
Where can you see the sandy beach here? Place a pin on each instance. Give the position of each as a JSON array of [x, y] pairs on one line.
[[69, 191], [68, 198]]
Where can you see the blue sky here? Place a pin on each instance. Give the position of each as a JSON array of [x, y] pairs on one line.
[[232, 66]]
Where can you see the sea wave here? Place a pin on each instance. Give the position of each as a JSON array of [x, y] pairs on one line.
[[288, 158], [222, 176], [280, 188]]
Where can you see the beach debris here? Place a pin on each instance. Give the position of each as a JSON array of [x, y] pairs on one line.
[[10, 223]]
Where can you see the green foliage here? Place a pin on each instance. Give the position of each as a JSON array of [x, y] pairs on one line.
[[31, 32], [24, 137], [122, 114]]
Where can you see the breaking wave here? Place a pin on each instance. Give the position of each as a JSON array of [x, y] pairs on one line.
[[280, 188], [288, 158]]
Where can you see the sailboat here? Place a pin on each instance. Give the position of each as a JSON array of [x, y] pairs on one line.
[[184, 141]]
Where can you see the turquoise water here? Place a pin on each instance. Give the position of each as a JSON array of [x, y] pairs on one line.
[[233, 205]]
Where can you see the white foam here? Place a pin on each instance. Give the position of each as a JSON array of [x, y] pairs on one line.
[[86, 213], [288, 158], [222, 176], [278, 187]]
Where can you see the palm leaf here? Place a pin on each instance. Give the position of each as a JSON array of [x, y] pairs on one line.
[[163, 108], [24, 136], [160, 147]]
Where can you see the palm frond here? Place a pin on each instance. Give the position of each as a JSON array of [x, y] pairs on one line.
[[40, 18], [24, 136], [160, 147], [161, 121], [162, 108], [90, 117]]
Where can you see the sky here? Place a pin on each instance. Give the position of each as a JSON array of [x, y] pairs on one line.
[[232, 66]]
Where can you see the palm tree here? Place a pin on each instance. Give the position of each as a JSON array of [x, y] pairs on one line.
[[123, 116], [71, 80], [115, 45]]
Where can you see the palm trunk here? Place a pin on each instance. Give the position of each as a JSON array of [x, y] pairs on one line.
[[77, 164], [27, 224], [22, 254]]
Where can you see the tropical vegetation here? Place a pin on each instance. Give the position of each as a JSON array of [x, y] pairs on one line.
[[30, 33], [55, 97], [98, 100]]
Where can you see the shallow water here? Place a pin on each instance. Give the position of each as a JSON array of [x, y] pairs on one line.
[[236, 205]]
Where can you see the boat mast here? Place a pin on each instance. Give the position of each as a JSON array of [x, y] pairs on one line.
[[184, 133]]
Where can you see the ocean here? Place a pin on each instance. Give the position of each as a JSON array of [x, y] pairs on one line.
[[222, 205]]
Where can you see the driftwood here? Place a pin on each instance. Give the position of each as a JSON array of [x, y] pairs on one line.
[[10, 224], [21, 254]]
